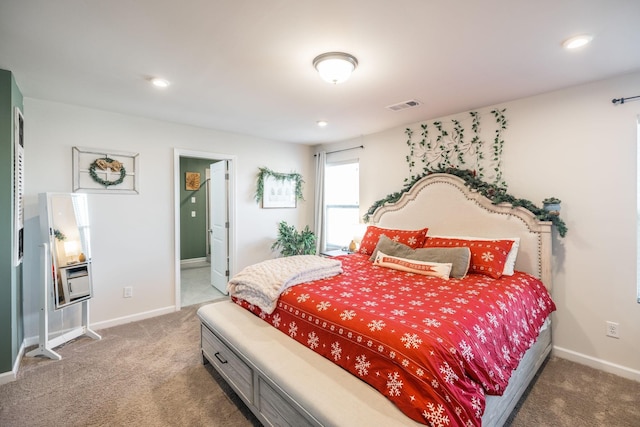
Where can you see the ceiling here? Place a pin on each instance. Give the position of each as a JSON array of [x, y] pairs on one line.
[[245, 66]]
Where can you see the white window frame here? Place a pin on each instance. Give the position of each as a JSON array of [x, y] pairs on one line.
[[329, 245]]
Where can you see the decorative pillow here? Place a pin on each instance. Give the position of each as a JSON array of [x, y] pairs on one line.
[[411, 238], [510, 264], [460, 257], [432, 269], [488, 257]]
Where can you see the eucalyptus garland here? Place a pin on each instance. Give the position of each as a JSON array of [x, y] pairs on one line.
[[103, 164], [494, 192], [264, 172]]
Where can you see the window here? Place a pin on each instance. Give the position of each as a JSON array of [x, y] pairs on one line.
[[342, 207]]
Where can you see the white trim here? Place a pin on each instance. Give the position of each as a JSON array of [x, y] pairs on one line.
[[599, 364], [193, 261], [134, 317], [233, 166], [637, 209], [7, 377]]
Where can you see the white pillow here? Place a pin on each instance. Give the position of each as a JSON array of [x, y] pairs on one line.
[[509, 264], [433, 269]]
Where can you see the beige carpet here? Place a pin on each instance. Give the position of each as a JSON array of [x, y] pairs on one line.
[[149, 373]]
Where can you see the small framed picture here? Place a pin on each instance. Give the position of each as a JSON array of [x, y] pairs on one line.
[[279, 193], [192, 181]]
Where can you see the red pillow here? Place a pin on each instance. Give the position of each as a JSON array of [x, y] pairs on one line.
[[412, 238], [487, 256]]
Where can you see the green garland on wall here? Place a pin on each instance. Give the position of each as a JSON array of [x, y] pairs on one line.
[[496, 193], [264, 172]]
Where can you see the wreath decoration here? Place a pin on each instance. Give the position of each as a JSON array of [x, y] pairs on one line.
[[280, 177], [104, 164]]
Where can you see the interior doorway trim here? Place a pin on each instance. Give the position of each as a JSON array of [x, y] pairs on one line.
[[177, 153]]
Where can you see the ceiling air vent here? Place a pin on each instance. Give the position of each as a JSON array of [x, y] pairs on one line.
[[404, 105]]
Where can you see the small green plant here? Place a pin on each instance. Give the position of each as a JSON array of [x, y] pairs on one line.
[[59, 235], [551, 201], [291, 242]]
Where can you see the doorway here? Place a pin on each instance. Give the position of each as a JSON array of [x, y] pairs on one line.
[[196, 265]]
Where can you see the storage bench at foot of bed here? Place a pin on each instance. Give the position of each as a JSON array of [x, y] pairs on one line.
[[283, 382], [287, 384], [264, 400]]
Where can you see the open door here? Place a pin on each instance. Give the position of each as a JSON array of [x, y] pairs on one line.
[[219, 232]]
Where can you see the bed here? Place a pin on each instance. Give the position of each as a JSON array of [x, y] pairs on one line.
[[289, 376]]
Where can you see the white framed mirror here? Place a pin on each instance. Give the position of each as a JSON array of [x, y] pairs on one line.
[[64, 220]]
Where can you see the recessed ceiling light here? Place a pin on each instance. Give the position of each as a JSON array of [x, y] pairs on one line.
[[322, 123], [577, 41], [158, 82]]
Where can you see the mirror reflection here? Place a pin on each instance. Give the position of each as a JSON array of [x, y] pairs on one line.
[[69, 240]]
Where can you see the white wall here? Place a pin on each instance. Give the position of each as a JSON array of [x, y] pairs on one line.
[[573, 144], [133, 235], [576, 145]]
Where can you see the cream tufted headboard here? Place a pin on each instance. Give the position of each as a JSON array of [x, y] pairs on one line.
[[446, 206]]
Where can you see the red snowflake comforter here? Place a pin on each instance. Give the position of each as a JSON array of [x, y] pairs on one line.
[[434, 347]]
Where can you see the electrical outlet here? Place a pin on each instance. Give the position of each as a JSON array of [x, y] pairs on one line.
[[612, 330], [127, 292]]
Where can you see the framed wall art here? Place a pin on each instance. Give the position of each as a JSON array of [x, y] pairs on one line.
[[105, 171], [192, 181], [278, 190]]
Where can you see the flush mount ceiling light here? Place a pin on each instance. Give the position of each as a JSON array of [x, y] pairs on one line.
[[335, 67], [160, 83], [577, 41], [322, 123]]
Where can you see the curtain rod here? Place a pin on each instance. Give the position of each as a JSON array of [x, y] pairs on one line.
[[344, 149], [622, 100]]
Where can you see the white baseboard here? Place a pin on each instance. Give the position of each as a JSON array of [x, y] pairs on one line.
[[114, 322], [35, 340], [132, 318], [602, 365], [191, 261], [7, 377]]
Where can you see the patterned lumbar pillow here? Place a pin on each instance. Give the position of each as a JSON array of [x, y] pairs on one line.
[[433, 269]]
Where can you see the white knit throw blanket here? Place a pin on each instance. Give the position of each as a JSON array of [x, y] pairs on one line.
[[261, 284]]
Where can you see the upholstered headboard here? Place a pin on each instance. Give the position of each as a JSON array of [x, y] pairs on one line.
[[445, 205]]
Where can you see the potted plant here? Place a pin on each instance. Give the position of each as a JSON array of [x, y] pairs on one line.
[[291, 242], [552, 205]]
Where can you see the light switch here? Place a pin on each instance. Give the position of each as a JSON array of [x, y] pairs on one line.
[[193, 200], [193, 214]]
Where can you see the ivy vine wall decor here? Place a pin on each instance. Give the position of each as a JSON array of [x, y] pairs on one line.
[[446, 148], [278, 190], [445, 145]]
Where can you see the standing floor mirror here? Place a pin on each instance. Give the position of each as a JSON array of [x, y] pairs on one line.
[[66, 265]]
